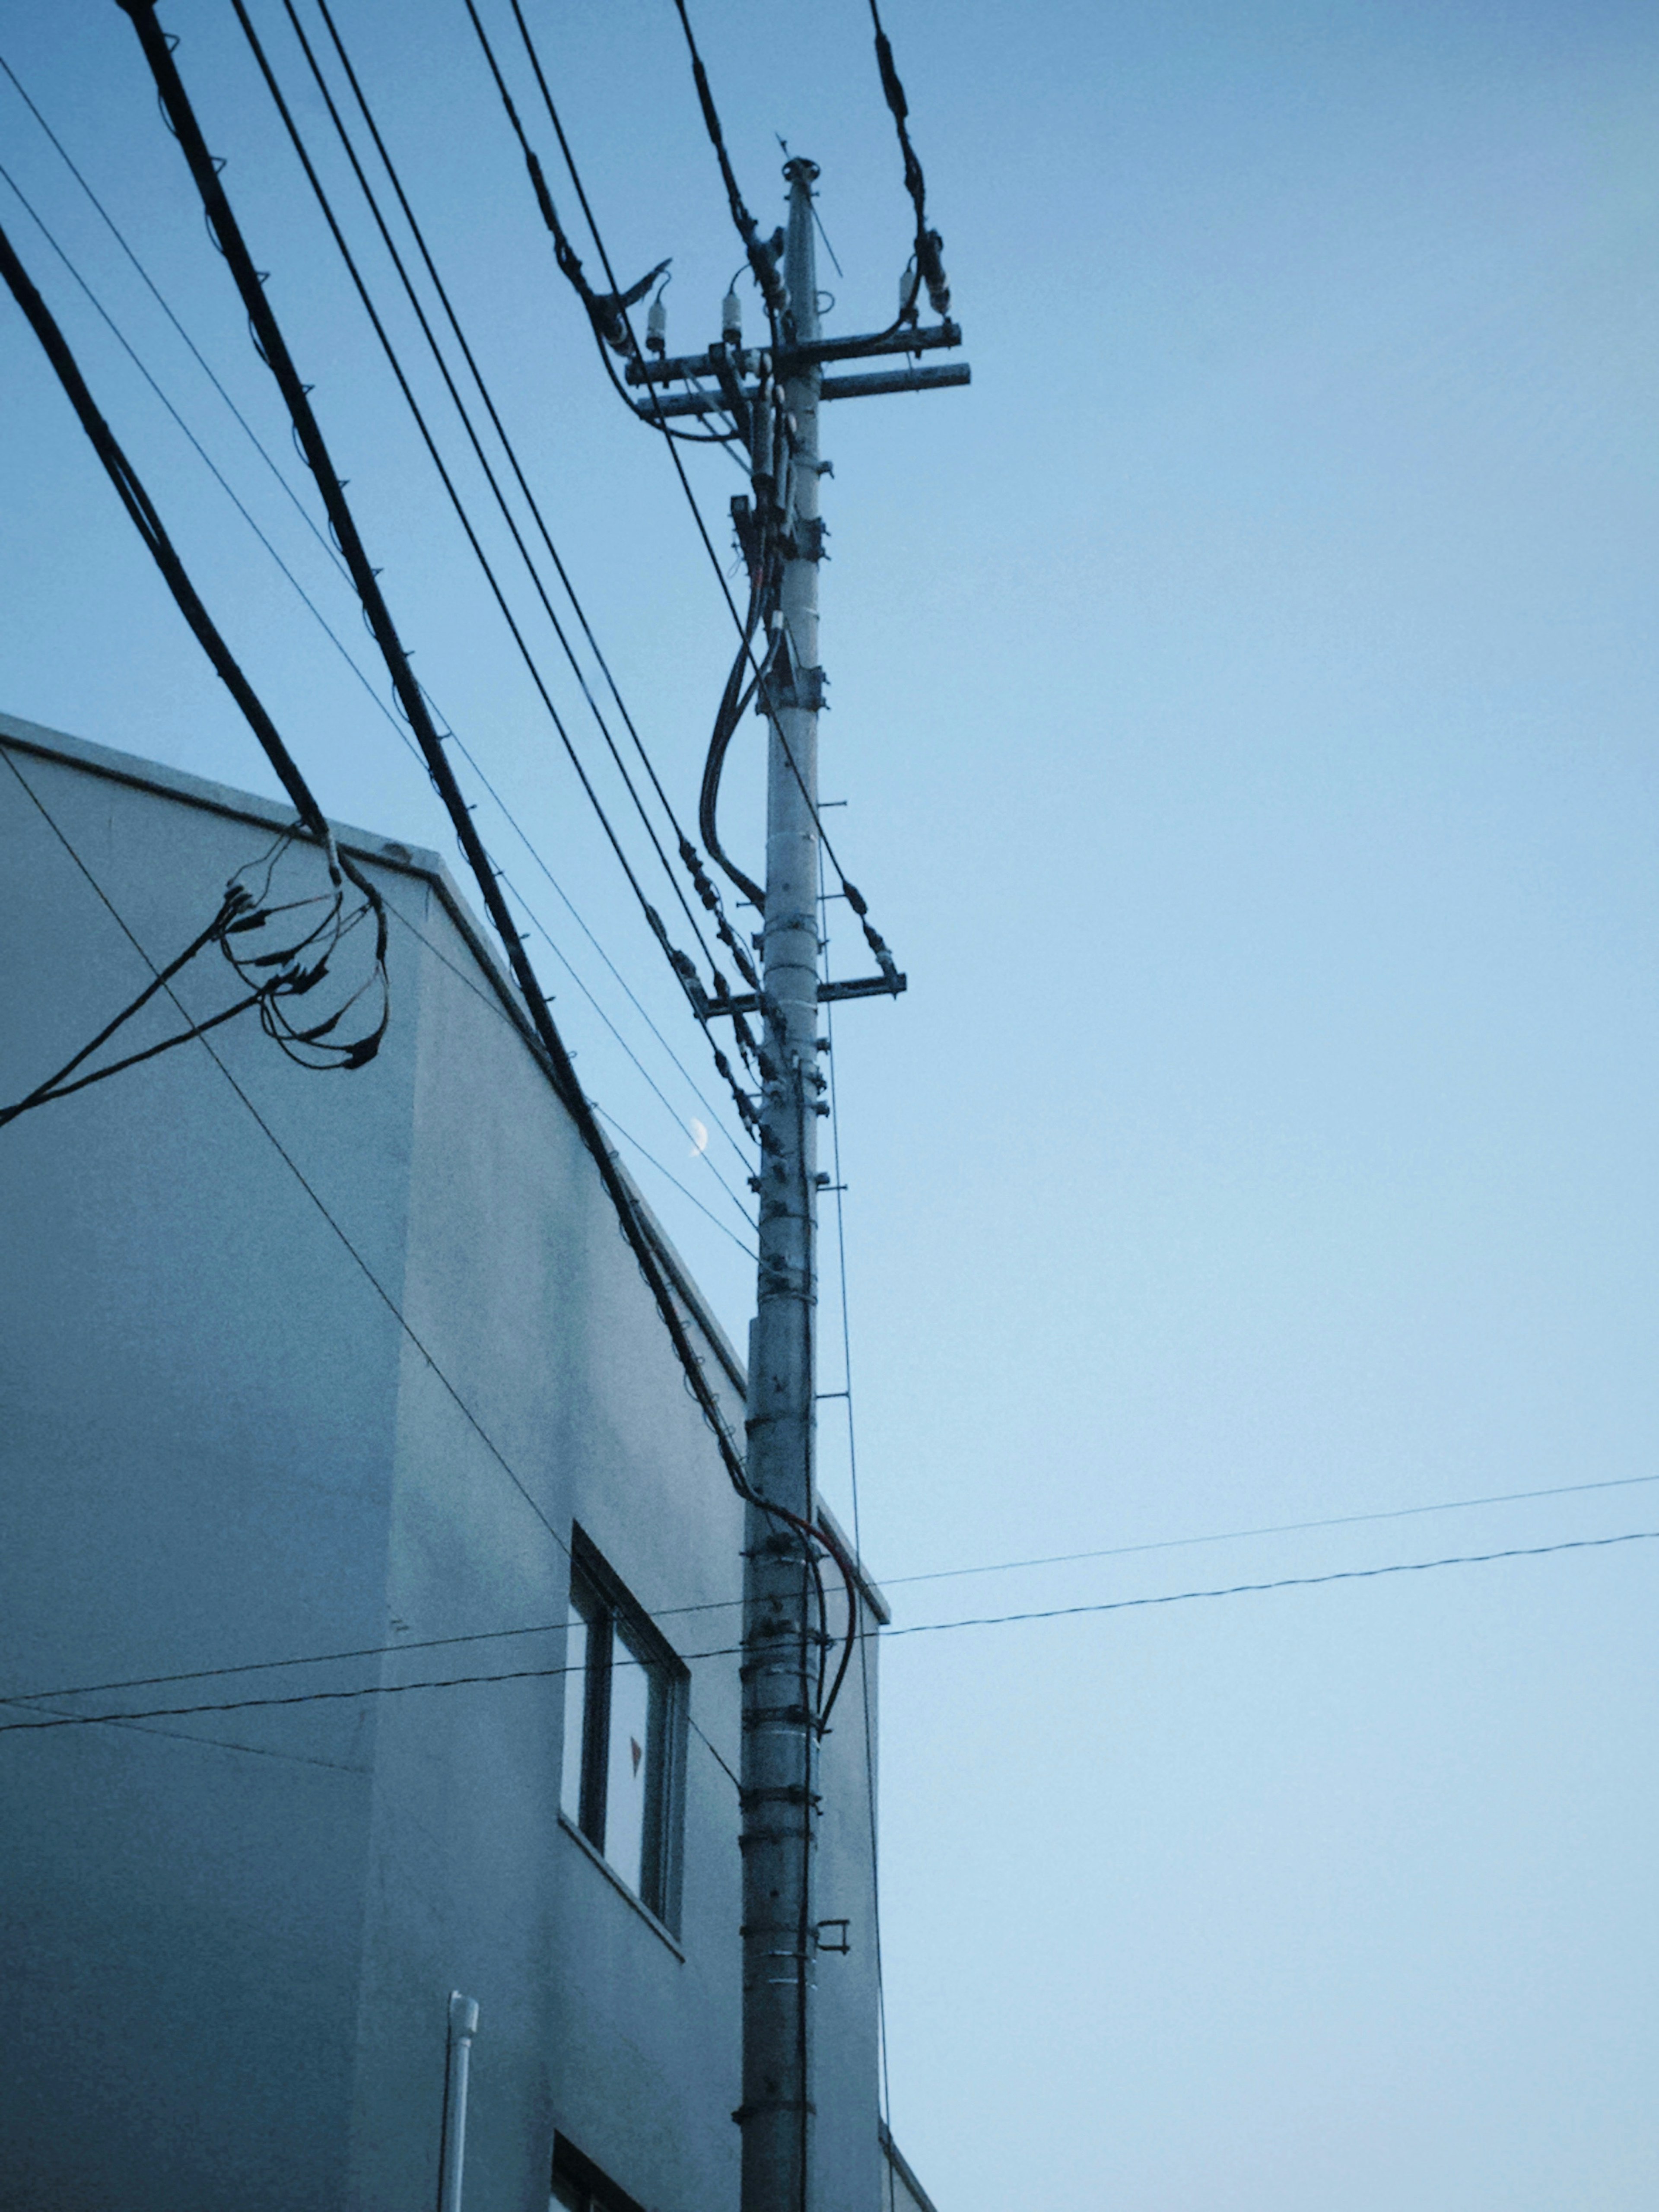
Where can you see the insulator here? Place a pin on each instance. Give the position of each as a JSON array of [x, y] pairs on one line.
[[909, 287], [656, 327], [732, 319]]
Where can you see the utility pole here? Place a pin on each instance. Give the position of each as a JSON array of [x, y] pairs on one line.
[[779, 1725], [774, 400]]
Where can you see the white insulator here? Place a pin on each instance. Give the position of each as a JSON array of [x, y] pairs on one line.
[[656, 326], [732, 319]]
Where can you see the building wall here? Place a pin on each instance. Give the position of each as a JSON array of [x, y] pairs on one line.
[[234, 1935]]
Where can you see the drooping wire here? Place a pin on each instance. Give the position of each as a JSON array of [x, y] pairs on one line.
[[401, 732], [741, 620], [148, 523], [607, 313], [927, 266], [205, 365], [740, 1096], [762, 261], [273, 347], [888, 1634], [838, 1185]]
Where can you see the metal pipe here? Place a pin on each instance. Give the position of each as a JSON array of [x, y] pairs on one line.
[[463, 2027]]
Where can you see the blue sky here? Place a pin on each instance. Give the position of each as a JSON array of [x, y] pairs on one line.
[[1244, 698]]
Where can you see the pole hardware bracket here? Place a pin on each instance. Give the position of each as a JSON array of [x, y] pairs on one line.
[[843, 1948], [806, 541], [853, 987]]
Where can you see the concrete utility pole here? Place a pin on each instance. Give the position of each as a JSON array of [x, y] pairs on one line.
[[774, 401], [780, 1726]]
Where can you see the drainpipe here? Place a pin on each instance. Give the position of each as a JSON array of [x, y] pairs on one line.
[[463, 2027]]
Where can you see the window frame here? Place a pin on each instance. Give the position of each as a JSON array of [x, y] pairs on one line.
[[611, 1613]]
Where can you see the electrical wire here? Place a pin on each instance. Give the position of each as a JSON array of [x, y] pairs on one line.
[[740, 1097], [500, 428], [838, 1185], [456, 500], [143, 512], [608, 317], [1276, 1528], [740, 621], [927, 266], [409, 743], [761, 261], [299, 505], [273, 347], [915, 1628]]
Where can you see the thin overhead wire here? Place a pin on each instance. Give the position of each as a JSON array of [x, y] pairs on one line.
[[456, 502], [500, 431], [927, 266], [838, 1186], [916, 1628], [409, 743], [761, 259], [1274, 1528], [740, 620], [272, 345], [291, 1163], [740, 1097], [608, 317], [202, 362]]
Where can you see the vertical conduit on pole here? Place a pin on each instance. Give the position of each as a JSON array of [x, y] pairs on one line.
[[463, 2027]]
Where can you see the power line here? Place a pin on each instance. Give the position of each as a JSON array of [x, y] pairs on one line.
[[380, 702], [489, 405], [839, 1186], [746, 228], [301, 508], [1275, 1528], [274, 349], [293, 1166], [669, 1176], [739, 1096], [916, 1628]]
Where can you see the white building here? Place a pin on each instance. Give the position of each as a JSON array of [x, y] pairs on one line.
[[317, 1382]]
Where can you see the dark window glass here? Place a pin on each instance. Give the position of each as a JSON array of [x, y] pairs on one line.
[[623, 1694]]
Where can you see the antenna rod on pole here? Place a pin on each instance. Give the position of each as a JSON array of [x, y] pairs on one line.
[[780, 1798]]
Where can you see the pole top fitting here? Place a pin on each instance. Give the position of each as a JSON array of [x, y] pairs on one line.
[[799, 171]]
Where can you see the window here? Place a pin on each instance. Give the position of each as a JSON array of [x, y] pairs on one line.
[[623, 1710], [579, 2185]]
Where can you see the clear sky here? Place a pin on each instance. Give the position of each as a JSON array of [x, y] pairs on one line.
[[1244, 700]]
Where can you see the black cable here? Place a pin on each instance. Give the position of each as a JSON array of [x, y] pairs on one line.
[[915, 1628], [572, 268], [739, 621], [929, 245], [740, 1097], [272, 345], [413, 717], [495, 420], [403, 737], [151, 529], [612, 312], [299, 506], [763, 262], [507, 446]]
